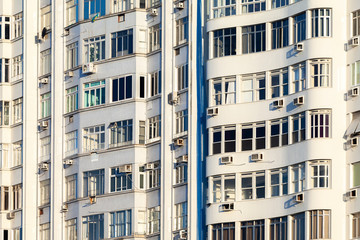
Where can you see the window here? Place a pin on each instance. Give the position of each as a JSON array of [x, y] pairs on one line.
[[4, 113], [45, 62], [17, 154], [122, 43], [120, 181], [94, 48], [72, 55], [249, 6], [279, 3], [94, 138], [45, 148], [356, 174], [356, 23], [5, 28], [4, 154], [5, 199], [45, 105], [320, 174], [356, 225], [154, 38], [320, 123], [226, 144], [253, 136], [71, 229], [93, 8], [120, 223], [279, 132], [279, 83], [298, 226], [17, 196], [4, 70], [142, 87], [122, 5], [182, 30], [71, 99], [253, 185], [299, 27], [154, 127], [224, 188], [93, 227], [17, 66], [94, 183], [44, 231], [181, 173], [224, 42], [280, 34], [154, 176], [17, 233], [71, 187], [298, 177], [355, 70], [45, 192], [142, 132], [224, 8], [94, 93], [223, 231], [18, 25], [72, 12], [321, 22], [278, 228], [152, 3], [181, 216], [46, 17], [320, 73], [181, 121], [320, 224], [224, 91], [155, 83], [252, 230], [17, 110], [121, 133], [154, 219], [299, 76], [279, 182], [298, 132], [253, 87], [253, 38], [182, 77], [71, 143], [121, 88]]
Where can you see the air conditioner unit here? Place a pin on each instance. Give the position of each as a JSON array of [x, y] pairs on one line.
[[354, 41], [299, 101], [354, 141], [125, 168], [64, 208], [179, 142], [354, 92], [183, 234], [227, 207], [69, 74], [299, 198], [299, 47], [10, 215], [257, 157], [353, 193], [226, 160], [278, 103], [153, 12], [71, 118], [88, 68], [213, 111], [41, 211], [69, 162], [92, 199], [44, 166], [179, 5], [44, 124], [44, 80], [173, 98], [149, 166], [182, 159], [66, 32]]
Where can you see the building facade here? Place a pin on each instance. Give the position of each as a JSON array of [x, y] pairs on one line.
[[150, 119]]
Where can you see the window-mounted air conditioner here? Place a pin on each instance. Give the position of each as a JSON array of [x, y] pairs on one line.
[[69, 74], [69, 162], [299, 101], [64, 208], [183, 234], [354, 41], [257, 157], [44, 80], [66, 32], [44, 124], [125, 168], [213, 111], [278, 103], [227, 207], [183, 159], [353, 193], [299, 47], [149, 166], [44, 166], [179, 6], [92, 199], [226, 160], [173, 98], [10, 215], [299, 198], [354, 92], [88, 68], [153, 12], [179, 142], [354, 141]]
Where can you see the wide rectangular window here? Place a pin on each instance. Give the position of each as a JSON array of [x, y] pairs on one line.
[[182, 77], [94, 8], [253, 38], [280, 34], [94, 183], [223, 188], [71, 143], [121, 88], [72, 12], [355, 225], [253, 230], [253, 87], [298, 226], [181, 121], [72, 55], [94, 138], [155, 83], [223, 231], [224, 91], [94, 49], [4, 27], [154, 38], [298, 177], [321, 22], [121, 133], [320, 123], [298, 124], [279, 132], [182, 30], [120, 181], [45, 62], [93, 227], [181, 216], [17, 110], [154, 219], [71, 99], [356, 174], [120, 223], [279, 3], [355, 72], [45, 192], [44, 231], [356, 23], [71, 229], [224, 42], [320, 73], [249, 6], [94, 93], [17, 66], [18, 25], [279, 83], [122, 43], [45, 105], [253, 136], [122, 5], [299, 77], [71, 187], [299, 27], [4, 70], [279, 182], [154, 127], [223, 8], [320, 173], [253, 185], [320, 224]]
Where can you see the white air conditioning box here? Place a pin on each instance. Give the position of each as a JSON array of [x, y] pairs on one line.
[[44, 80], [227, 207], [69, 74], [69, 162], [257, 157], [88, 68], [173, 98], [299, 198], [353, 193], [278, 103], [299, 47], [126, 168], [213, 111], [64, 208], [183, 234], [179, 142], [354, 92], [299, 101], [44, 124], [182, 159], [354, 41], [226, 160], [153, 12], [179, 5], [10, 215], [149, 166], [354, 141], [44, 166]]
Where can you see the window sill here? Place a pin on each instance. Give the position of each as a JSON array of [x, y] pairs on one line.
[[180, 45], [177, 185], [154, 52], [152, 98], [16, 39]]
